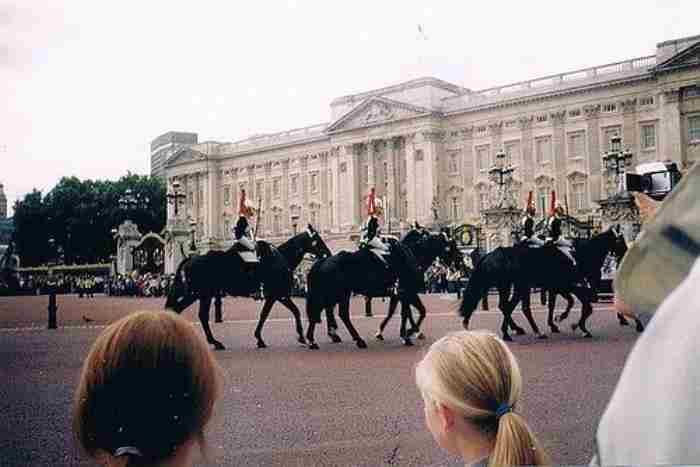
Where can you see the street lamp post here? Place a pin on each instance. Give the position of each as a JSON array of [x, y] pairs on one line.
[[175, 197], [501, 173], [616, 161], [193, 231]]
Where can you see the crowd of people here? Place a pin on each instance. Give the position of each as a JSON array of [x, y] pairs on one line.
[[138, 285], [85, 285]]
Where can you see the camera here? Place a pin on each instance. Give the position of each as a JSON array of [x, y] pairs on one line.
[[655, 179]]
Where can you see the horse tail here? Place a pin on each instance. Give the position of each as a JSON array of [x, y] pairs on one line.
[[177, 288]]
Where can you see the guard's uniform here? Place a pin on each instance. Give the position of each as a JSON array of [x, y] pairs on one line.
[[528, 226], [242, 236], [371, 238], [555, 235]]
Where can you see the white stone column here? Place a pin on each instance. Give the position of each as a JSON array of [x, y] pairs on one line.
[[595, 184], [212, 207], [391, 197], [286, 215], [411, 146], [370, 164], [559, 151], [670, 134]]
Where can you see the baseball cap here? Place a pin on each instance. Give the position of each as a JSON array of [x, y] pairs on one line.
[[664, 251]]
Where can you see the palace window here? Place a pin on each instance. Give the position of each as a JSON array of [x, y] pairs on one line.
[[542, 118], [609, 108], [482, 158], [647, 100], [510, 123], [331, 217], [648, 137], [578, 194], [574, 113], [259, 189], [313, 182], [576, 145], [385, 174], [480, 130], [419, 155], [276, 187], [453, 164], [294, 184], [343, 167], [694, 128], [276, 223], [543, 150], [313, 217]]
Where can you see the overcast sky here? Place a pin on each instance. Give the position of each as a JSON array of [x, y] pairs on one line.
[[88, 84]]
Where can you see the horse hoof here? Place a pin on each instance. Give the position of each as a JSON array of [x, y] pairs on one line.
[[554, 329], [261, 345], [336, 339], [313, 346], [542, 336], [218, 345], [507, 338], [379, 336], [407, 342], [587, 335], [301, 340], [361, 344], [421, 336]]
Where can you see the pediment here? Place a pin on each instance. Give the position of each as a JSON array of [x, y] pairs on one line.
[[184, 155], [685, 58], [377, 110]]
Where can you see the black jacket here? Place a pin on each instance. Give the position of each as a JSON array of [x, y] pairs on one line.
[[241, 227], [555, 228], [528, 227]]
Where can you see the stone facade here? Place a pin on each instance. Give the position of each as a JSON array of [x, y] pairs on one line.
[[165, 146], [426, 145]]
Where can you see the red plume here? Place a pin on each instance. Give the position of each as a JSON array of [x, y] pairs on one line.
[[529, 200], [552, 205], [371, 207]]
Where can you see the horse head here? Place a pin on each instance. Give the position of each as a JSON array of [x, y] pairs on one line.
[[314, 244]]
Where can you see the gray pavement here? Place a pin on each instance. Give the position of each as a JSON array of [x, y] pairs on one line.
[[287, 405]]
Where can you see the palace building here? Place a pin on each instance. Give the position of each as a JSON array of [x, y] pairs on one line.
[[426, 145]]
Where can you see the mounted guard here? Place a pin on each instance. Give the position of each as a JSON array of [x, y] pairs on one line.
[[242, 236], [527, 224], [555, 234], [371, 238]]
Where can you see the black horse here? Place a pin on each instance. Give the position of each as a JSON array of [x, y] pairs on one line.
[[425, 247], [223, 272], [334, 280], [525, 268]]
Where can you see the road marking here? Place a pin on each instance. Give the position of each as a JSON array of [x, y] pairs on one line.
[[284, 320]]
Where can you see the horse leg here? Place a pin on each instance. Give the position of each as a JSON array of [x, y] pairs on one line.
[[569, 305], [182, 304], [287, 302], [583, 294], [332, 325], [405, 316], [543, 297], [267, 306], [504, 300], [310, 336], [522, 293], [393, 301], [204, 306], [422, 312], [344, 313], [550, 312]]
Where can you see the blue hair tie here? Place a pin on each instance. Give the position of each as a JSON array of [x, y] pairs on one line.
[[503, 409]]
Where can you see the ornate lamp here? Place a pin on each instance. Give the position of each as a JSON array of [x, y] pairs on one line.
[[175, 197], [193, 231]]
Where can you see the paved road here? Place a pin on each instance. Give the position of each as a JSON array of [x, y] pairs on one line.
[[287, 405]]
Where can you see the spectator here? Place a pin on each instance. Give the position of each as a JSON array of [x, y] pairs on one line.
[[471, 384], [146, 392], [653, 416]]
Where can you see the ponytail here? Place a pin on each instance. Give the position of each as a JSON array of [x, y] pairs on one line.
[[516, 444]]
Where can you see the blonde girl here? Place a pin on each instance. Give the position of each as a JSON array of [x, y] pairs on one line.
[[471, 384], [146, 392]]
